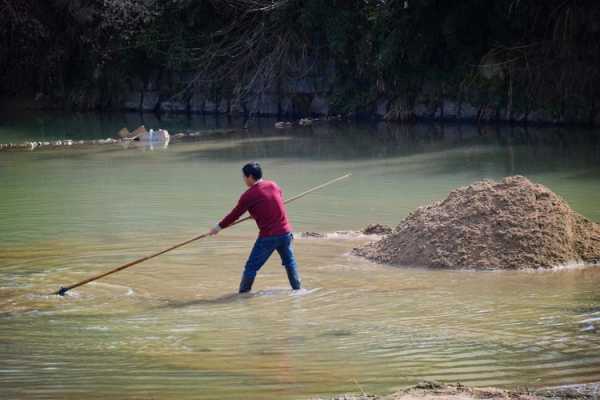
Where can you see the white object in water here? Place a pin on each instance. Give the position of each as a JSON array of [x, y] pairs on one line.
[[160, 135]]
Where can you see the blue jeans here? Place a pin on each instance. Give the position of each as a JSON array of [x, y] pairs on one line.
[[262, 250]]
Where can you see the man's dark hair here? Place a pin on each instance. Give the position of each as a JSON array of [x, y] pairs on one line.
[[252, 169]]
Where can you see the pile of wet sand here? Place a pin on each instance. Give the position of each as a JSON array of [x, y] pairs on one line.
[[512, 224]]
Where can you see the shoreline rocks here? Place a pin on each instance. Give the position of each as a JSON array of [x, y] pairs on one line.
[[513, 224], [32, 145], [370, 230], [139, 135], [377, 229]]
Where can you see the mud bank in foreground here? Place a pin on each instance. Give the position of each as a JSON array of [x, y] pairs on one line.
[[438, 391], [512, 224]]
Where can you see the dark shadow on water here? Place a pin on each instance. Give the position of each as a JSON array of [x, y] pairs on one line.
[[229, 298], [336, 333], [225, 299]]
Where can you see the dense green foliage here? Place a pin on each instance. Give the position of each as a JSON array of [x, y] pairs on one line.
[[515, 55]]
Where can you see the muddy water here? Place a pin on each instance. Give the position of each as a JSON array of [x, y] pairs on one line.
[[172, 328]]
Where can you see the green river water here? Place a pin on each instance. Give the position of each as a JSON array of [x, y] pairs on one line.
[[170, 328]]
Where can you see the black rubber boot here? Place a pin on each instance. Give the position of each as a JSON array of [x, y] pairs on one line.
[[294, 278], [246, 284]]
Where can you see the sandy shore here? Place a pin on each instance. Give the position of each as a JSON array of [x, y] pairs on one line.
[[438, 391]]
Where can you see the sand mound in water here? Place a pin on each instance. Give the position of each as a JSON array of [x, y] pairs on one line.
[[512, 224]]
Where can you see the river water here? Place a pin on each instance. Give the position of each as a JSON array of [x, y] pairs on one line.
[[172, 327]]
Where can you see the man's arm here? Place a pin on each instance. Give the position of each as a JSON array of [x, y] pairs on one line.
[[238, 210]]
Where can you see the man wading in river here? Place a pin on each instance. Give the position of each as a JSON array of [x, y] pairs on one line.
[[264, 201]]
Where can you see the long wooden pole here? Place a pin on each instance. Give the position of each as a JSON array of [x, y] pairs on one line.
[[64, 290]]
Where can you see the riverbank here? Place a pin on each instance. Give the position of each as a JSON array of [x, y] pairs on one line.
[[69, 143], [47, 130], [283, 107], [439, 391]]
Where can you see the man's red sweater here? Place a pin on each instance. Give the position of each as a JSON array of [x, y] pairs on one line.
[[264, 202]]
